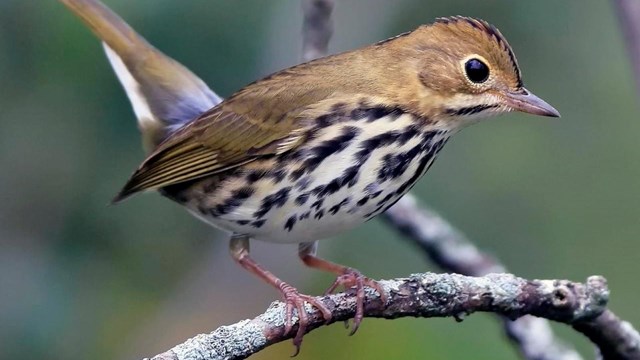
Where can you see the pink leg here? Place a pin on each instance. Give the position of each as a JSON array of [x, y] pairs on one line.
[[347, 277], [239, 248]]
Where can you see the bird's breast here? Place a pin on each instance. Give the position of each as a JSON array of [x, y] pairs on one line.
[[344, 174]]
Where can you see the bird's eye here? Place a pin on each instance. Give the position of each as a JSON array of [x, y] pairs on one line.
[[476, 70]]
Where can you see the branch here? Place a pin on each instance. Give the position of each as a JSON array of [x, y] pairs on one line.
[[616, 339], [446, 246], [451, 250], [629, 14], [421, 295]]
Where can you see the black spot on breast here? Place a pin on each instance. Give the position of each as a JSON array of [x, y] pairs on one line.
[[363, 201], [373, 112], [278, 175], [277, 199], [232, 202], [255, 175], [367, 146], [317, 204], [336, 208], [378, 112], [325, 120], [394, 165], [243, 193], [326, 148], [305, 215], [242, 222], [330, 188], [382, 204], [407, 134], [319, 214], [358, 113], [385, 199], [290, 223], [330, 147], [302, 198], [350, 176], [335, 114], [258, 223], [430, 153]]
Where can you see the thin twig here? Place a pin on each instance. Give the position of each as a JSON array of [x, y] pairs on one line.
[[615, 338], [317, 28], [629, 14], [421, 295]]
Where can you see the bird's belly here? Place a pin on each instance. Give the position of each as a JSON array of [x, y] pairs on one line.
[[326, 187]]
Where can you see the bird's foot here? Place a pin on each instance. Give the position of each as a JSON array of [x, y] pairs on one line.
[[353, 278], [294, 300]]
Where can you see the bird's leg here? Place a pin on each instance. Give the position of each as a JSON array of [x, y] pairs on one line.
[[239, 248], [347, 277]]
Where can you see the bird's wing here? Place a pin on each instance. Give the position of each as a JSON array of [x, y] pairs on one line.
[[221, 139]]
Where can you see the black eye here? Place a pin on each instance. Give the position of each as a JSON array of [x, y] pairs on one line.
[[476, 70]]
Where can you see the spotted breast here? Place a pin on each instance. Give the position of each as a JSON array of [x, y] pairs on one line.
[[356, 163]]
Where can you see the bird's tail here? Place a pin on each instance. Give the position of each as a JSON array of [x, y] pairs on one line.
[[164, 94]]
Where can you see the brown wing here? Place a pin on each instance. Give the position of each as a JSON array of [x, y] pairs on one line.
[[219, 140], [264, 118]]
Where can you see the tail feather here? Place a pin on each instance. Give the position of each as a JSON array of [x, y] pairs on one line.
[[164, 94]]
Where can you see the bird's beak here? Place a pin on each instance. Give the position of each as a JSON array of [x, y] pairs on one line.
[[528, 103]]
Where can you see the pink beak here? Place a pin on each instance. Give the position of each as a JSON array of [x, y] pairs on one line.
[[526, 102]]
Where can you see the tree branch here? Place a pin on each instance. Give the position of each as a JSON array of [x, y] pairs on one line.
[[448, 248], [452, 251], [420, 295]]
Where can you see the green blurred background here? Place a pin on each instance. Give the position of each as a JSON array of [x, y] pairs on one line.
[[79, 279]]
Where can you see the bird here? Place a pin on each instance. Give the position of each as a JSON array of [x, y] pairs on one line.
[[313, 150]]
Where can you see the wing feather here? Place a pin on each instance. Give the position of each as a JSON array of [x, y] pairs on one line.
[[266, 118], [218, 141]]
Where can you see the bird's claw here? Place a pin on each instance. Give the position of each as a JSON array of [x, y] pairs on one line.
[[353, 278], [294, 300]]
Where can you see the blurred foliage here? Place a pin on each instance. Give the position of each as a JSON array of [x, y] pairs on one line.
[[550, 198]]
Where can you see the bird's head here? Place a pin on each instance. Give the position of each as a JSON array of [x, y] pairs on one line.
[[467, 70]]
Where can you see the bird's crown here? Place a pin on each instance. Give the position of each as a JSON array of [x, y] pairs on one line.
[[498, 48]]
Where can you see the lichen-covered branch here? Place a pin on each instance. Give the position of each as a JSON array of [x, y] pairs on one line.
[[420, 295], [448, 248], [451, 250]]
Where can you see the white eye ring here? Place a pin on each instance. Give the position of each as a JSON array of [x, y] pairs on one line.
[[476, 69]]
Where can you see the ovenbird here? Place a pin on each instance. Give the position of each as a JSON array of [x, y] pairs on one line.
[[316, 149]]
